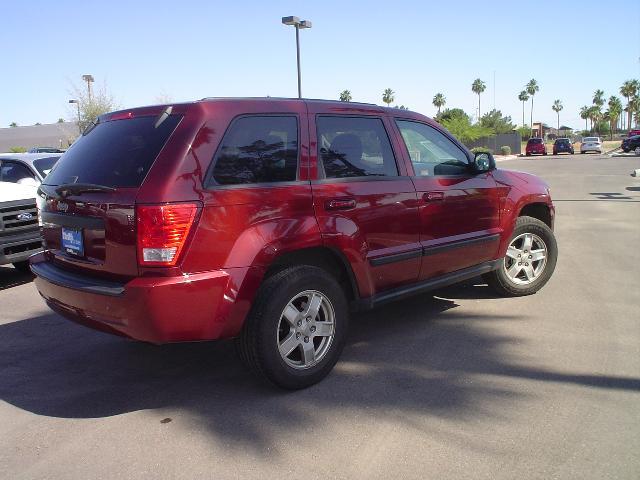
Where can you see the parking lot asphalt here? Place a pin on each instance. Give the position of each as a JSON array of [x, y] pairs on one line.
[[457, 384]]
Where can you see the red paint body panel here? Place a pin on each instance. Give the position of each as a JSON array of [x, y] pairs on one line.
[[381, 227]]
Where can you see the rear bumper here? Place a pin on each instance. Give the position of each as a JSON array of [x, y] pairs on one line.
[[194, 307], [18, 248]]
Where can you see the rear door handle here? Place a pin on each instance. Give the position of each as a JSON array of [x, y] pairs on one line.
[[433, 196], [340, 204]]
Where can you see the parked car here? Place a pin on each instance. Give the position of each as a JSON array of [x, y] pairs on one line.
[[631, 144], [268, 220], [535, 146], [19, 231], [591, 144], [26, 168], [46, 150], [562, 145]]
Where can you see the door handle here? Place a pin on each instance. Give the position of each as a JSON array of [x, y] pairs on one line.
[[340, 204], [433, 196]]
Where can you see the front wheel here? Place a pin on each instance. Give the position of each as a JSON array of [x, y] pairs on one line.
[[530, 260], [296, 329]]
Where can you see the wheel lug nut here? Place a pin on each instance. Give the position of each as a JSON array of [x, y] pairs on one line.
[[299, 323], [530, 256], [306, 339], [313, 329], [519, 255], [526, 264], [519, 264], [298, 335], [308, 319]]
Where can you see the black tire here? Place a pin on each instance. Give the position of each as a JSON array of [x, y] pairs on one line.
[[528, 154], [22, 267], [500, 281], [257, 344]]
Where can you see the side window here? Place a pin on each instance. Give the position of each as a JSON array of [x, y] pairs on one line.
[[13, 172], [257, 149], [354, 147], [431, 152]]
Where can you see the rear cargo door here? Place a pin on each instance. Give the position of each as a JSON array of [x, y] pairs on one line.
[[87, 201]]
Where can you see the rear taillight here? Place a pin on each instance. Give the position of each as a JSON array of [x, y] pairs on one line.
[[162, 232]]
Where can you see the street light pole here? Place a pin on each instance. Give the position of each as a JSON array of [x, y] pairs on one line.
[[89, 80], [298, 24], [77, 105]]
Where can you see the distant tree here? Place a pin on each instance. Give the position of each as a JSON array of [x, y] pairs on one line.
[[629, 90], [477, 87], [594, 116], [37, 123], [60, 120], [495, 122], [388, 96], [614, 113], [532, 88], [598, 98], [163, 98], [584, 114], [449, 113], [439, 101], [345, 96], [556, 107], [100, 102], [525, 132], [634, 108], [523, 97], [13, 124], [402, 107], [17, 150]]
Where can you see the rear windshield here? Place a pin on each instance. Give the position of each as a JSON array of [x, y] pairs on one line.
[[535, 140], [115, 154], [591, 139], [562, 140], [44, 165]]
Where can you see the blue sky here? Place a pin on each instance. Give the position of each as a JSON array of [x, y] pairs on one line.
[[192, 49]]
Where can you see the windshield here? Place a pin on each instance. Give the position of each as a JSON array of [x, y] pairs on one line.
[[118, 153], [44, 165]]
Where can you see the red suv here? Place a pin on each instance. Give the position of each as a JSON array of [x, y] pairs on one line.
[[270, 219], [535, 146]]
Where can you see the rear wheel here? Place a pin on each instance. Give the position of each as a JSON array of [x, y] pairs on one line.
[[22, 267], [530, 260], [296, 329]]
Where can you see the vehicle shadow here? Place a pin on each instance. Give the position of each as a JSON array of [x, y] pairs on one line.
[[418, 356], [10, 277]]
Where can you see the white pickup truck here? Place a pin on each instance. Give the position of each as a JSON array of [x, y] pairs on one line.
[[19, 230]]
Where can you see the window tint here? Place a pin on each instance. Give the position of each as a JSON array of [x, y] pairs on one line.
[[431, 152], [14, 171], [258, 150], [354, 147], [116, 154], [534, 141], [44, 165]]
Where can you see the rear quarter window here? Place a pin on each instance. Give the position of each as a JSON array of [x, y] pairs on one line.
[[119, 153]]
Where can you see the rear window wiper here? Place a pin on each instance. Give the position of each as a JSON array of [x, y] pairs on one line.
[[76, 188]]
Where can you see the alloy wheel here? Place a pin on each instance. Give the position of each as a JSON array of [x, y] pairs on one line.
[[526, 258]]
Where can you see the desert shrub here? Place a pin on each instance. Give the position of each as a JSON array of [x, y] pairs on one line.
[[505, 150], [482, 150]]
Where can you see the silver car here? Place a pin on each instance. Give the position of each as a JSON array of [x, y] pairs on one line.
[[591, 144]]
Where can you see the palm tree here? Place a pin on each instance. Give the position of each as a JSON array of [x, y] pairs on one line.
[[388, 96], [477, 87], [13, 124], [614, 112], [439, 101], [598, 98], [345, 96], [532, 87], [556, 107], [523, 97], [629, 90], [594, 115], [584, 114], [634, 108]]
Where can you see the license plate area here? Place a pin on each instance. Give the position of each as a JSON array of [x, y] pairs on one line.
[[72, 241]]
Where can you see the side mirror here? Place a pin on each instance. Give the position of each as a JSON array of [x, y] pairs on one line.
[[483, 162]]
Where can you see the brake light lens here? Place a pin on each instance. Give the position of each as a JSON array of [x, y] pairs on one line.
[[162, 232]]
